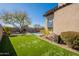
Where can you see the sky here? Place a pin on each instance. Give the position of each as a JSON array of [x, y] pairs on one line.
[[35, 11]]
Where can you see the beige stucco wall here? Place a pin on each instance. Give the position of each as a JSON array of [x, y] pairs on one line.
[[66, 19]]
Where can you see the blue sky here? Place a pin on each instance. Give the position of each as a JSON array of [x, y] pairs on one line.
[[34, 10]]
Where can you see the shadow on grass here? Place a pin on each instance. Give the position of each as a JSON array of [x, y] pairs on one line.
[[6, 47]]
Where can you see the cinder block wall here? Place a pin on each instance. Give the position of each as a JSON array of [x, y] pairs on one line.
[[66, 19]]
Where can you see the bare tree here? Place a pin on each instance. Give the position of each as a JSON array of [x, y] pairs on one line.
[[22, 19], [16, 18]]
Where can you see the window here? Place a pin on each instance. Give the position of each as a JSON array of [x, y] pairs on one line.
[[50, 22]]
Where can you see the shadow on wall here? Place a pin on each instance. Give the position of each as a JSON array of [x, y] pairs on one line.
[[6, 47]]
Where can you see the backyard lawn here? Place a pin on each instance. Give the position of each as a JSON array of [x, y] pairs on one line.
[[31, 45]]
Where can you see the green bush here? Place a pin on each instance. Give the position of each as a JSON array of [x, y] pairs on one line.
[[71, 39], [7, 30], [45, 32]]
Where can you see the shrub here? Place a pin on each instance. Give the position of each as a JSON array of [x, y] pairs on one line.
[[7, 30], [71, 39], [45, 32], [57, 39]]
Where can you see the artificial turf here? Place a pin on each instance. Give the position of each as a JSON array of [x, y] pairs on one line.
[[31, 45]]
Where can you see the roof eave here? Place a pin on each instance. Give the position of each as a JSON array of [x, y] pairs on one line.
[[55, 9]]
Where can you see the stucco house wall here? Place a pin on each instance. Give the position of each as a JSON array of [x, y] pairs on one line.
[[66, 19]]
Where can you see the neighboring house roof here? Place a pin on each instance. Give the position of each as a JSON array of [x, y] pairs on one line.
[[49, 12]]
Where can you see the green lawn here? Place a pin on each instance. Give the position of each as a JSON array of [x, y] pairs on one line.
[[31, 45]]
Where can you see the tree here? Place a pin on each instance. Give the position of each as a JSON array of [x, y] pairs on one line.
[[22, 19], [17, 18], [37, 27]]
